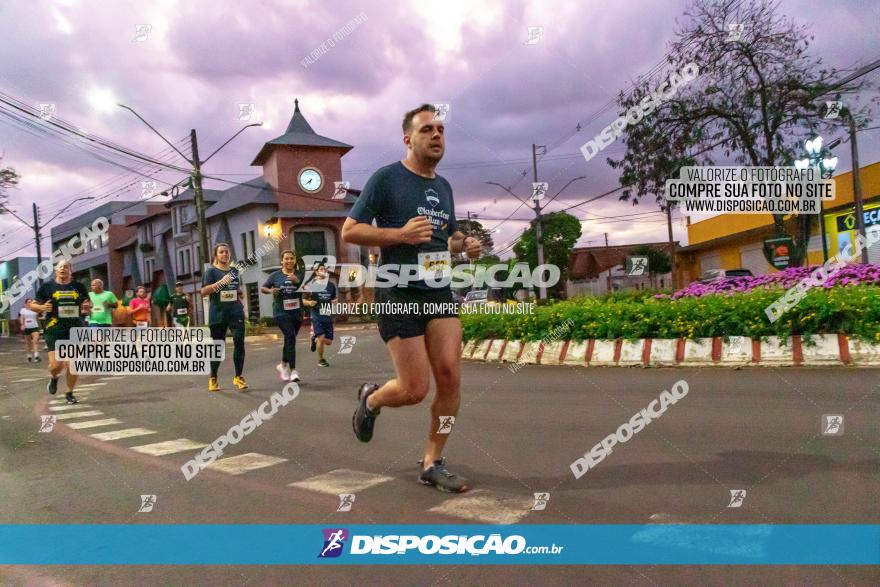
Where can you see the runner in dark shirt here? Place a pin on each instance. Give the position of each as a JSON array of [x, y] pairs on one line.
[[64, 301], [287, 309], [320, 300], [179, 307], [221, 282], [415, 225]]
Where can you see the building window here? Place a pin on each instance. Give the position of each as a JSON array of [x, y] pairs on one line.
[[184, 262], [253, 300], [149, 264], [309, 243], [253, 242], [244, 246]]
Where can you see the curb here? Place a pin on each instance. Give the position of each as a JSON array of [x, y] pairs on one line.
[[734, 351]]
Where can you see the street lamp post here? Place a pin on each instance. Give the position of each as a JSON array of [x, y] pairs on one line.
[[825, 165]]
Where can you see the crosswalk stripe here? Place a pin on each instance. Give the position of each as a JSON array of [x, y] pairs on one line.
[[78, 415], [29, 380], [79, 396], [243, 463], [90, 385], [486, 507], [341, 481], [68, 407], [93, 423], [124, 433], [111, 378], [168, 447]]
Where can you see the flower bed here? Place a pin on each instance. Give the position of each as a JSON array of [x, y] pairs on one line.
[[853, 274], [849, 309]]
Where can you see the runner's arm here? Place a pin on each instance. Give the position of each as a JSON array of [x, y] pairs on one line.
[[417, 230], [458, 243]]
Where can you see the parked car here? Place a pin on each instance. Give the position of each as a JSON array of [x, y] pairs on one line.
[[718, 274], [484, 296]]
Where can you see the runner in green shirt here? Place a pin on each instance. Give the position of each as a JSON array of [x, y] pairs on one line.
[[179, 307], [103, 303]]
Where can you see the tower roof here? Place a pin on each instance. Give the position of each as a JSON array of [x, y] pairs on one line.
[[299, 133]]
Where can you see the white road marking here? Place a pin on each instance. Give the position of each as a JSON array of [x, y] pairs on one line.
[[94, 423], [29, 380], [486, 507], [78, 415], [68, 407], [168, 447], [124, 433], [81, 397], [341, 481], [243, 463], [111, 378], [89, 385]]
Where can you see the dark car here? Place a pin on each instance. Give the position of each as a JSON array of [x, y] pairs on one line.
[[719, 274]]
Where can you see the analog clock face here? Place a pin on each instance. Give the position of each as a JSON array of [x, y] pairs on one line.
[[310, 180]]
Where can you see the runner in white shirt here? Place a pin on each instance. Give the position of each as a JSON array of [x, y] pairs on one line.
[[29, 326]]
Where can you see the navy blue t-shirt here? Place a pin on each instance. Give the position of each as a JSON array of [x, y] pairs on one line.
[[289, 298], [323, 292], [393, 195], [225, 304]]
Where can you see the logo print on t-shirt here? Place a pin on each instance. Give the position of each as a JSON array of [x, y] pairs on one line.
[[432, 198]]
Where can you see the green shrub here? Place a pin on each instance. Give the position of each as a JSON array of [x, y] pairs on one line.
[[849, 310]]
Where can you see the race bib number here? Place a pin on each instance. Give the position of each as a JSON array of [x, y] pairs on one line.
[[181, 311], [434, 266], [68, 311], [142, 324], [291, 304], [228, 295]]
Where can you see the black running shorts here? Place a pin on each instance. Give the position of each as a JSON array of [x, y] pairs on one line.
[[405, 312]]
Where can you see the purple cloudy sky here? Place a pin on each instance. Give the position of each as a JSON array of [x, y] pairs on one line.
[[201, 59]]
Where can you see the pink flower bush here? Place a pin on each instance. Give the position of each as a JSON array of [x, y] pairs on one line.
[[850, 275]]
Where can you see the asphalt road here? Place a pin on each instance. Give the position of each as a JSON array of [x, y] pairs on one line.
[[753, 429]]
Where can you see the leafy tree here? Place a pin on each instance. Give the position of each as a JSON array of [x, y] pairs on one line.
[[659, 262], [8, 178], [475, 229], [560, 232], [756, 98]]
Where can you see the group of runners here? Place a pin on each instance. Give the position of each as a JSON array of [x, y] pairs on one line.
[[407, 210]]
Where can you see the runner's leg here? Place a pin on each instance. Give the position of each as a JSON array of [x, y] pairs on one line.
[[55, 367], [237, 325], [286, 324], [443, 343], [411, 364], [218, 333], [296, 324], [71, 380]]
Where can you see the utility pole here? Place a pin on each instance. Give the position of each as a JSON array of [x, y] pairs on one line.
[[37, 235], [539, 234], [199, 199], [671, 244], [608, 277], [857, 185]]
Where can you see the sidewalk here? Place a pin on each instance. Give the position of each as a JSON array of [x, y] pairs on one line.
[[735, 351]]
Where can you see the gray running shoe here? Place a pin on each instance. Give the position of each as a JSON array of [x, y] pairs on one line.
[[363, 419], [440, 477]]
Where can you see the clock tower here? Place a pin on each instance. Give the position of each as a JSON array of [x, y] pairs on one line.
[[302, 166]]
